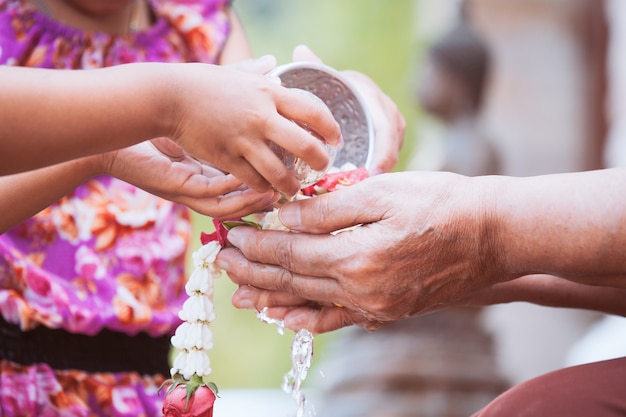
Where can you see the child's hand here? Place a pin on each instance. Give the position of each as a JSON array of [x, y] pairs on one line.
[[161, 168], [226, 117]]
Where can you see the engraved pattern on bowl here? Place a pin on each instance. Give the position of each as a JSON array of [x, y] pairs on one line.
[[343, 102]]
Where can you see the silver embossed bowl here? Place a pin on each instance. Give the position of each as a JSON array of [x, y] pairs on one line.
[[344, 103]]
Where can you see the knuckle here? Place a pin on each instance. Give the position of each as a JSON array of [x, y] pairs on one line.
[[280, 174], [284, 280], [283, 253], [372, 326], [378, 307], [263, 300], [323, 213]]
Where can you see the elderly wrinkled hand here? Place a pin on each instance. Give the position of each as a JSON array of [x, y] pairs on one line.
[[418, 244]]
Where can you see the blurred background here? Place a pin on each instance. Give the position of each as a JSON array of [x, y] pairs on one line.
[[513, 87]]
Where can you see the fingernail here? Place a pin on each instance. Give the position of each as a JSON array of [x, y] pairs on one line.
[[295, 321], [267, 58], [339, 140], [290, 215], [235, 236], [271, 197], [222, 263], [275, 79], [244, 303]]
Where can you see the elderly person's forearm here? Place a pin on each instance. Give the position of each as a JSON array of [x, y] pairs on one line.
[[568, 225]]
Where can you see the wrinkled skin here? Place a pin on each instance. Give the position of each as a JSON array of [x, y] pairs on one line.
[[430, 240], [415, 251]]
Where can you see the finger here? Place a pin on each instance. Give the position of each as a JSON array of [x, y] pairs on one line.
[[261, 65], [221, 197], [251, 298], [294, 105], [327, 213], [168, 148], [298, 141], [235, 204], [247, 173], [207, 182], [211, 171], [389, 124], [266, 257], [273, 170], [243, 271], [389, 130], [303, 53], [233, 182], [319, 320]]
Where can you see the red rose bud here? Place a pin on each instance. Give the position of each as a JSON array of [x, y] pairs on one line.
[[332, 182], [221, 230], [220, 234], [179, 402]]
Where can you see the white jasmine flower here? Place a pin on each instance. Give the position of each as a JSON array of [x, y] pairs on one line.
[[198, 336], [197, 363], [206, 254], [178, 340], [271, 221], [179, 363], [200, 281], [191, 362], [197, 309]]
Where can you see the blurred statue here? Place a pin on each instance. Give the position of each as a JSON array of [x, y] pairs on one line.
[[451, 88]]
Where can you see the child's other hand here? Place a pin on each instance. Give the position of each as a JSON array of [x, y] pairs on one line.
[[161, 168]]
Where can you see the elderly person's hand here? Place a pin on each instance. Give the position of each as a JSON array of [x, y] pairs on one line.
[[422, 243], [388, 122], [431, 240]]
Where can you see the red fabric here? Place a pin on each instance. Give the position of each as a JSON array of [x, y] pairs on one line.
[[592, 390]]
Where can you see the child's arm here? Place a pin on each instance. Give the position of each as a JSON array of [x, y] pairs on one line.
[[220, 115], [184, 180]]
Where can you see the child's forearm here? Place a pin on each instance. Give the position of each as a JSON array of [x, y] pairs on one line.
[[25, 194], [50, 116]]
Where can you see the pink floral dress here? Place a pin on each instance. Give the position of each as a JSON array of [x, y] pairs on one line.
[[108, 255]]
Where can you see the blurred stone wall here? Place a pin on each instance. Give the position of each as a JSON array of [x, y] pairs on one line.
[[546, 113], [545, 107]]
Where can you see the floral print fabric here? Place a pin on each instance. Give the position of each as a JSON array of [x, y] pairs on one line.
[[39, 391], [108, 255], [184, 31]]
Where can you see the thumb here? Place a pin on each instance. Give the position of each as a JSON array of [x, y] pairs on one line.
[[261, 65], [303, 53], [329, 212]]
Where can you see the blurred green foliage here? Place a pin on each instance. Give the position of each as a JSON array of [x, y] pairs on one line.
[[371, 36]]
